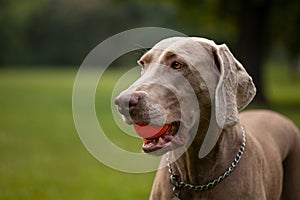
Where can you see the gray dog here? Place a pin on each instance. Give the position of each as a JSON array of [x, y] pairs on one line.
[[194, 89]]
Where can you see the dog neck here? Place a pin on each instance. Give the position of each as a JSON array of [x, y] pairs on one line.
[[197, 171]]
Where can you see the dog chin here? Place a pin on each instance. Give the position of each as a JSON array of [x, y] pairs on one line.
[[163, 150]]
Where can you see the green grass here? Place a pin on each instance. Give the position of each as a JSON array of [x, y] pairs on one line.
[[282, 86], [41, 155]]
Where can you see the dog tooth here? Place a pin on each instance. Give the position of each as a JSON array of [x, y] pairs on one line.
[[161, 141]]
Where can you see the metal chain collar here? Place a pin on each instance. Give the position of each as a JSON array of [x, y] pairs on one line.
[[178, 184]]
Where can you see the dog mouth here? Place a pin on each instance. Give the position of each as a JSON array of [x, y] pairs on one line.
[[158, 137]]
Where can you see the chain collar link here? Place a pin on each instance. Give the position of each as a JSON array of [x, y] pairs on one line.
[[178, 184]]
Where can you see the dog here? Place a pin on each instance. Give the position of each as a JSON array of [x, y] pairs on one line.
[[194, 89]]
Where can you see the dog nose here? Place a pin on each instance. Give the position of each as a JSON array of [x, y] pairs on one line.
[[127, 102], [134, 100]]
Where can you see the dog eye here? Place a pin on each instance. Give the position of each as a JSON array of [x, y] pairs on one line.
[[176, 65]]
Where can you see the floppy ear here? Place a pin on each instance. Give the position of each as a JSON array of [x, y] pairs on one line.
[[235, 89]]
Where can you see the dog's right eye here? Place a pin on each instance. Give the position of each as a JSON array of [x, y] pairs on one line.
[[176, 65]]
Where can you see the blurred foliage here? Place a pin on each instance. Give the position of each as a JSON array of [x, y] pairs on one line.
[[62, 32]]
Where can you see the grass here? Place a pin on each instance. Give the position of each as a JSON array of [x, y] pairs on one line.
[[41, 155]]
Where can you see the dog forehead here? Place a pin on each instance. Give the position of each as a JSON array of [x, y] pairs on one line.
[[173, 44], [193, 50], [183, 45], [181, 42]]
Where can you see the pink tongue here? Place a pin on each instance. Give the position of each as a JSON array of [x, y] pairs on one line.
[[148, 131]]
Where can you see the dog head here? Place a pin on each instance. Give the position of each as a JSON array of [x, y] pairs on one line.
[[185, 84]]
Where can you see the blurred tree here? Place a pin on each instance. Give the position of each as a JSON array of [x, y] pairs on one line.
[[63, 32], [14, 17], [285, 28]]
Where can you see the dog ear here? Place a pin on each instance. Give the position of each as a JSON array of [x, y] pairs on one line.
[[235, 89]]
